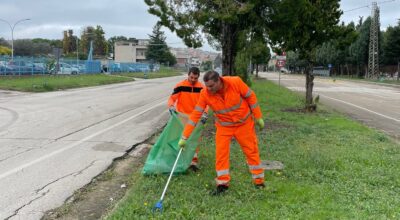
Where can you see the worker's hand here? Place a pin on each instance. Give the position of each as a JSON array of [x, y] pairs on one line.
[[260, 123], [204, 118], [182, 143], [172, 109]]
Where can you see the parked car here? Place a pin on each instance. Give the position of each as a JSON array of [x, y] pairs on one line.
[[65, 68], [284, 70]]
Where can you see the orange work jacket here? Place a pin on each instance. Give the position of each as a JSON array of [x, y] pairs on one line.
[[185, 96], [232, 106]]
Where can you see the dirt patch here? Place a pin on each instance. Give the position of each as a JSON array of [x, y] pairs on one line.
[[104, 191], [272, 126]]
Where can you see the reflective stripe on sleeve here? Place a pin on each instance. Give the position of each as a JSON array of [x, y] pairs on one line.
[[248, 94], [254, 106], [222, 172]]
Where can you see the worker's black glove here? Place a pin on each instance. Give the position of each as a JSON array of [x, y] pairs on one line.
[[204, 118]]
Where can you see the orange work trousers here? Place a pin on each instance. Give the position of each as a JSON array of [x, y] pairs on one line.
[[245, 135]]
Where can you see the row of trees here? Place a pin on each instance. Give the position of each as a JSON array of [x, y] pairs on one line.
[[239, 26], [88, 35], [157, 52], [348, 52]]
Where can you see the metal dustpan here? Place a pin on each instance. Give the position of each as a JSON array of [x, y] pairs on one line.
[[272, 165]]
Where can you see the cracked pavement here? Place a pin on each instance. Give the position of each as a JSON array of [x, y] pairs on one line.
[[52, 144]]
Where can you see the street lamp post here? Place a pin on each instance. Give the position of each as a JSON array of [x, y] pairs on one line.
[[77, 53], [12, 27]]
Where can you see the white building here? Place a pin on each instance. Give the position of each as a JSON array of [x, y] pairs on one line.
[[131, 51]]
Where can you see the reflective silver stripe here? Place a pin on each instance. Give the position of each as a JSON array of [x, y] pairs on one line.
[[256, 176], [222, 172], [197, 108], [195, 155], [191, 123], [223, 111], [255, 167], [248, 94], [227, 123], [253, 106], [221, 182]]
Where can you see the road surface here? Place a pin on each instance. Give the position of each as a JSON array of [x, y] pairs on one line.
[[52, 144], [376, 105]]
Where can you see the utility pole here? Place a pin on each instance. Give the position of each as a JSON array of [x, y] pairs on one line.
[[373, 56], [12, 27]]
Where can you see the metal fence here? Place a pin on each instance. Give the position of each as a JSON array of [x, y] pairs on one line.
[[44, 65]]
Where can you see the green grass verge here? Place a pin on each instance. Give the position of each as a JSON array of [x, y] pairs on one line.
[[57, 82], [335, 168], [163, 72]]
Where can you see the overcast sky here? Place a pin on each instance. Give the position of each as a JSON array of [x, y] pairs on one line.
[[49, 18]]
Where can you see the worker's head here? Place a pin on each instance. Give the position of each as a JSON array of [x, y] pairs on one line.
[[193, 75], [213, 81]]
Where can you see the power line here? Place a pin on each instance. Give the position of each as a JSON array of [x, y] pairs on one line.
[[367, 6]]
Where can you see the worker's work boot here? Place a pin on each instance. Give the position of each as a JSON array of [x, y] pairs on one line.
[[219, 190], [194, 168], [260, 186]]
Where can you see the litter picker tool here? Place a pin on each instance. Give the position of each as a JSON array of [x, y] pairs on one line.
[[159, 205]]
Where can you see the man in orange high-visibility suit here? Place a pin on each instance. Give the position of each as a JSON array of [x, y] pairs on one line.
[[236, 110], [184, 98]]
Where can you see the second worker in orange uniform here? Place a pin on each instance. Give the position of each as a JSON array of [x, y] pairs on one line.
[[184, 98]]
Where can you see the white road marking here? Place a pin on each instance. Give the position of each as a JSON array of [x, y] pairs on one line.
[[17, 169], [365, 109]]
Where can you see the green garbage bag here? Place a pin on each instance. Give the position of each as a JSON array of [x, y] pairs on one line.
[[164, 152]]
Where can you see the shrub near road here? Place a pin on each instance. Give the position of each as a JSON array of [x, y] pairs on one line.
[[335, 168], [56, 82]]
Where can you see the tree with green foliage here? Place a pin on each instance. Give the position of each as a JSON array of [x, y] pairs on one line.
[[392, 45], [219, 20], [302, 26], [260, 54], [358, 50], [95, 35], [27, 47], [111, 43], [4, 43], [157, 50], [100, 43]]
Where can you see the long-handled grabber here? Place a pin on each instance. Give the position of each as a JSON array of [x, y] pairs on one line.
[[159, 206]]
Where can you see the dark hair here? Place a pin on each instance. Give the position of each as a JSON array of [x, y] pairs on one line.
[[211, 75], [194, 70]]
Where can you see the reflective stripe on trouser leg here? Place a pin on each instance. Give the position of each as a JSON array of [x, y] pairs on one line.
[[223, 140], [246, 137], [195, 159]]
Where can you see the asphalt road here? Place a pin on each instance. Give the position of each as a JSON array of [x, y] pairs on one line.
[[376, 105], [52, 144]]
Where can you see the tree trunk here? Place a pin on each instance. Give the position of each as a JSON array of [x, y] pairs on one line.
[[228, 41], [257, 70], [310, 106]]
